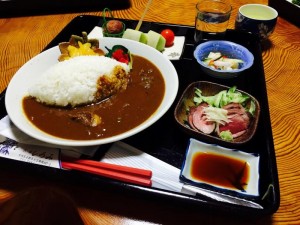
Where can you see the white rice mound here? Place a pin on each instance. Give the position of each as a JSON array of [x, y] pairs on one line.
[[74, 81]]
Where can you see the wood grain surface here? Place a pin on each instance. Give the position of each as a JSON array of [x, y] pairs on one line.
[[21, 38]]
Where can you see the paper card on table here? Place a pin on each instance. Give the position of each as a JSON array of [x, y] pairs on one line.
[[28, 153]]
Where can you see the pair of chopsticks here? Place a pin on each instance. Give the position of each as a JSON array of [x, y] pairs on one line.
[[122, 173]]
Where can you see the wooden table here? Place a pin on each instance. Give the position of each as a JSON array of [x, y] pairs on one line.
[[24, 37]]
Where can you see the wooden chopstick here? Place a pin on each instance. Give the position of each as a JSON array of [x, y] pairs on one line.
[[118, 172]]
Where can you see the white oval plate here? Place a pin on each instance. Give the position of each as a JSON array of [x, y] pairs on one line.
[[29, 72]]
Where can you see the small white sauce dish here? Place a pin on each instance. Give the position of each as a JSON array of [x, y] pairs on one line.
[[221, 169]]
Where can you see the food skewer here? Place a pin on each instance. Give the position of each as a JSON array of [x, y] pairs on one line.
[[138, 26]]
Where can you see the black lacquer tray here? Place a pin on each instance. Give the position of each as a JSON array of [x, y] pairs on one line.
[[166, 141]]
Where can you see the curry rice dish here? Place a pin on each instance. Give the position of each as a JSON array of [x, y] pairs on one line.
[[95, 106]]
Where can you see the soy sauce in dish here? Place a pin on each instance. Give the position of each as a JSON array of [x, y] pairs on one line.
[[220, 170]]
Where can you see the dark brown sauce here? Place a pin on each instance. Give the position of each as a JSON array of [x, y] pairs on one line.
[[220, 170], [120, 113]]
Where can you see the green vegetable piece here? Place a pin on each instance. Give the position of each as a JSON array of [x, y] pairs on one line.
[[156, 40], [199, 98], [252, 108], [144, 38], [233, 96], [296, 2], [222, 98], [226, 135], [135, 35], [218, 98]]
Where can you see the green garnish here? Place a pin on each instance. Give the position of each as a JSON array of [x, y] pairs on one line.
[[226, 135], [224, 98], [296, 2]]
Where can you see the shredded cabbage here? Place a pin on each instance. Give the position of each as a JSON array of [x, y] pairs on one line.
[[222, 98], [215, 111]]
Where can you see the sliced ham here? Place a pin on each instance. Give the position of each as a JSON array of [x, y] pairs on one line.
[[239, 120], [198, 120], [234, 108], [190, 117], [238, 125], [233, 105], [239, 134]]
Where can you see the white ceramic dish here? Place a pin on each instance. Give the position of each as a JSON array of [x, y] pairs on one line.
[[27, 74], [196, 147], [173, 52]]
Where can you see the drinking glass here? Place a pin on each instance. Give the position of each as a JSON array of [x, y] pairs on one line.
[[212, 18]]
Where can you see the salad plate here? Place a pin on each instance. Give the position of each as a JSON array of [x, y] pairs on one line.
[[213, 94]]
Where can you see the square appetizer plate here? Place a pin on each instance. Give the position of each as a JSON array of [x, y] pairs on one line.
[[221, 169]]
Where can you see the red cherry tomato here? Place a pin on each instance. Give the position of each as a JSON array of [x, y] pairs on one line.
[[169, 36]]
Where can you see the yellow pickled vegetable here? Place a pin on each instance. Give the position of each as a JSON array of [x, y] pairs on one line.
[[78, 46], [84, 49]]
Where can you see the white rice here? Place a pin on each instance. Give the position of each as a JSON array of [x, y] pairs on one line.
[[74, 81]]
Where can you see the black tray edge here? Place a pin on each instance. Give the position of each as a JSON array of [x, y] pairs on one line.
[[238, 210]]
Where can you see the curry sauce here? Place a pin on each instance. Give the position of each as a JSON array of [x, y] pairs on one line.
[[119, 113]]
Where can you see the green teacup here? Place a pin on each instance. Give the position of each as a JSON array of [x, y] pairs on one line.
[[257, 19]]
